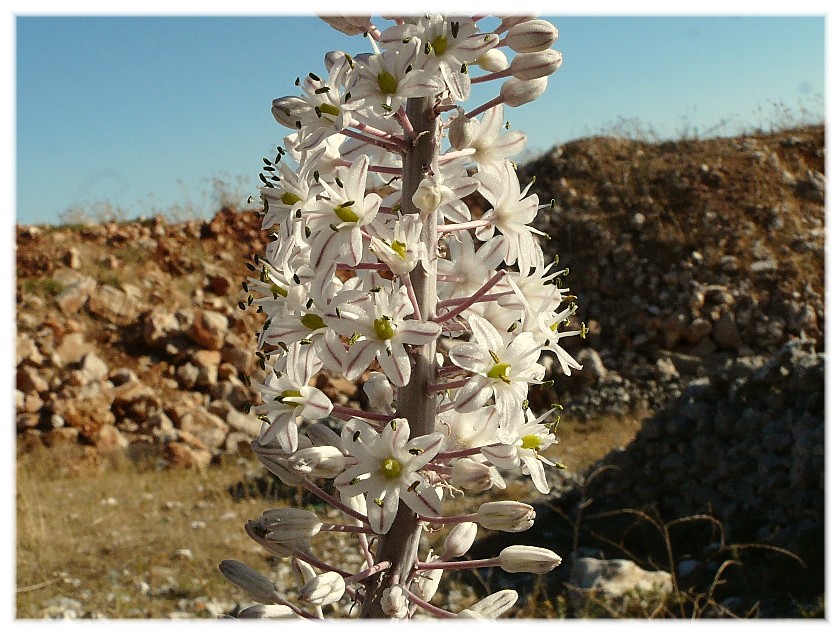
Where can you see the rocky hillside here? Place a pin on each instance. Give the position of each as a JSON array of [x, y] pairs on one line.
[[683, 255]]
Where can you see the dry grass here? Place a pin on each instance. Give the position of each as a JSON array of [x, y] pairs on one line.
[[128, 542]]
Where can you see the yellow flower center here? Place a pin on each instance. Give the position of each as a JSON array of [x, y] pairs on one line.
[[387, 83], [312, 321], [530, 441], [285, 394], [289, 198], [499, 371], [391, 468], [439, 45], [399, 248], [383, 328], [346, 213], [278, 290], [328, 108]]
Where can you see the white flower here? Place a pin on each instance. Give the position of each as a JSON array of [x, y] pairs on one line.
[[503, 368], [470, 269], [388, 470], [288, 398], [336, 217], [401, 249], [380, 330], [490, 144], [511, 213], [531, 437], [384, 81], [449, 44], [323, 589]]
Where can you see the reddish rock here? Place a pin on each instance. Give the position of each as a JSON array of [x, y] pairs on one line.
[[209, 428], [208, 329], [113, 305], [180, 454], [30, 379]]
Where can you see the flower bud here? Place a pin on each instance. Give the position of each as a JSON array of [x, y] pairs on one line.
[[536, 65], [469, 614], [349, 25], [461, 130], [459, 540], [507, 516], [321, 436], [509, 21], [493, 61], [394, 603], [495, 605], [258, 587], [528, 559], [289, 111], [426, 582], [260, 611], [475, 476], [318, 462], [517, 92], [428, 196], [323, 589], [531, 36], [272, 460], [290, 524], [380, 392]]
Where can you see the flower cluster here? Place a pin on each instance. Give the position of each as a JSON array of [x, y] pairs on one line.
[[378, 271]]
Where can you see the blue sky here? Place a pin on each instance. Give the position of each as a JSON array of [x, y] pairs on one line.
[[144, 112]]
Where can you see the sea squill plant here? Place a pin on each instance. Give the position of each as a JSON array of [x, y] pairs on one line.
[[378, 271]]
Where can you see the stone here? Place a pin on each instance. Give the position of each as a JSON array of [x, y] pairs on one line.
[[27, 351], [135, 400], [88, 415], [614, 579], [113, 305], [207, 427], [593, 367], [696, 330], [93, 368], [208, 329], [74, 296], [121, 376], [726, 332], [207, 362], [73, 347], [109, 441], [30, 379], [181, 454], [187, 375], [72, 259], [158, 326]]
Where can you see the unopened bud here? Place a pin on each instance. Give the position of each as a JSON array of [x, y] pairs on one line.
[[509, 21], [507, 516], [536, 65], [461, 130], [321, 435], [394, 603], [289, 111], [428, 196], [318, 462], [493, 61], [474, 476], [258, 587], [290, 524], [260, 611], [323, 589], [528, 559], [459, 540], [379, 391], [531, 36], [270, 457], [495, 605], [518, 92], [349, 25], [426, 583]]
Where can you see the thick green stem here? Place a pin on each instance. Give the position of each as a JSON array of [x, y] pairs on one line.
[[399, 545]]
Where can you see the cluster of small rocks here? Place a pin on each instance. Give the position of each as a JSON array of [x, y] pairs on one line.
[[683, 255]]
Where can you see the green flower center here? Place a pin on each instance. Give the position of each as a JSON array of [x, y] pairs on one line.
[[278, 290], [289, 198], [383, 328], [346, 214], [391, 468], [530, 441], [312, 321], [439, 45], [499, 371], [328, 108], [399, 248], [285, 394], [387, 83]]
